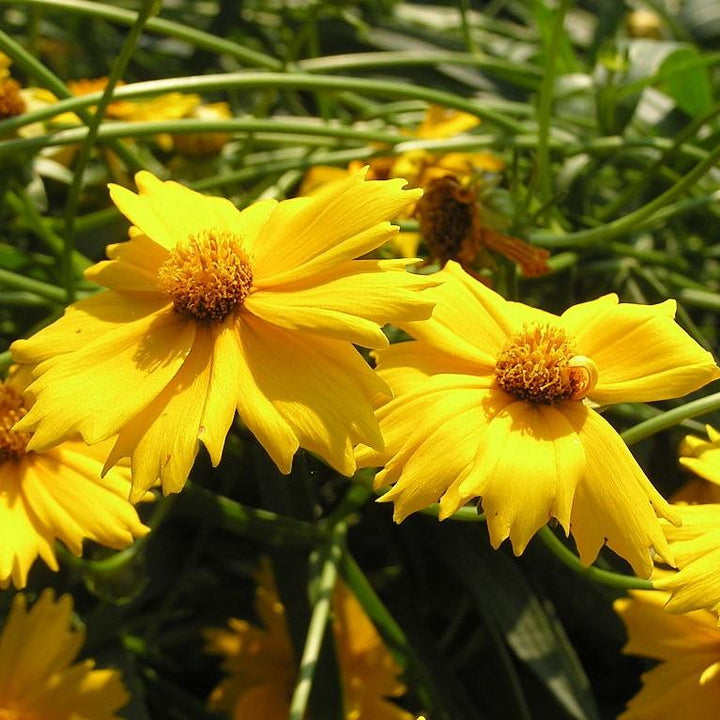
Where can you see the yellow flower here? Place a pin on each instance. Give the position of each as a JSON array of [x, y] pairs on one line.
[[212, 311], [695, 546], [39, 679], [701, 456], [261, 670], [685, 685], [493, 398], [696, 543], [56, 494]]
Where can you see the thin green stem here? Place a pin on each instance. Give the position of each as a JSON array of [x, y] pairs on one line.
[[263, 525], [598, 575], [465, 13], [280, 81], [318, 623], [148, 9], [630, 222], [20, 282], [197, 38], [670, 418], [5, 361]]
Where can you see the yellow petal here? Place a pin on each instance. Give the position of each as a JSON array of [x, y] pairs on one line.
[[476, 334], [615, 502], [399, 417], [437, 446], [407, 365], [68, 496], [84, 322], [168, 212], [97, 389], [341, 222], [529, 463], [162, 440], [322, 388], [133, 265], [25, 537], [641, 353], [349, 302]]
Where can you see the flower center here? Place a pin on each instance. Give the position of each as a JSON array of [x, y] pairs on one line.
[[11, 102], [448, 219], [540, 365], [12, 408], [207, 276]]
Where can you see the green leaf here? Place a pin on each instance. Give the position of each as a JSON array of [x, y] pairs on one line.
[[687, 81], [528, 624]]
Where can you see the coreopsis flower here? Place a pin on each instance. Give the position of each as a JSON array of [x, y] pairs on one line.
[[695, 547], [701, 456], [54, 495], [212, 311], [261, 670], [685, 685], [696, 543], [39, 678], [494, 399]]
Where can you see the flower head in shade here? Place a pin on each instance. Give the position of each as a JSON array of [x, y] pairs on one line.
[[53, 495], [493, 400], [686, 683], [39, 678], [212, 311], [261, 671]]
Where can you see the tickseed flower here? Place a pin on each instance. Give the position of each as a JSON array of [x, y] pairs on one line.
[[261, 670], [702, 456], [494, 400], [55, 494], [686, 682], [211, 311], [696, 544], [39, 679]]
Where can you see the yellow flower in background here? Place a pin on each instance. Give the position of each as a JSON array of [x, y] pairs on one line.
[[213, 311], [686, 683], [261, 670], [695, 547], [493, 400], [55, 495], [702, 456], [203, 144], [39, 678]]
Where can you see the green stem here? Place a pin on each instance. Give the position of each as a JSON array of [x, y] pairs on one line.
[[5, 361], [188, 34], [148, 9], [630, 222], [280, 81], [670, 418], [268, 527], [391, 632], [318, 623], [20, 282], [598, 575]]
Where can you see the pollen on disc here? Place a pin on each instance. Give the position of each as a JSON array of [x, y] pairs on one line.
[[208, 276]]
